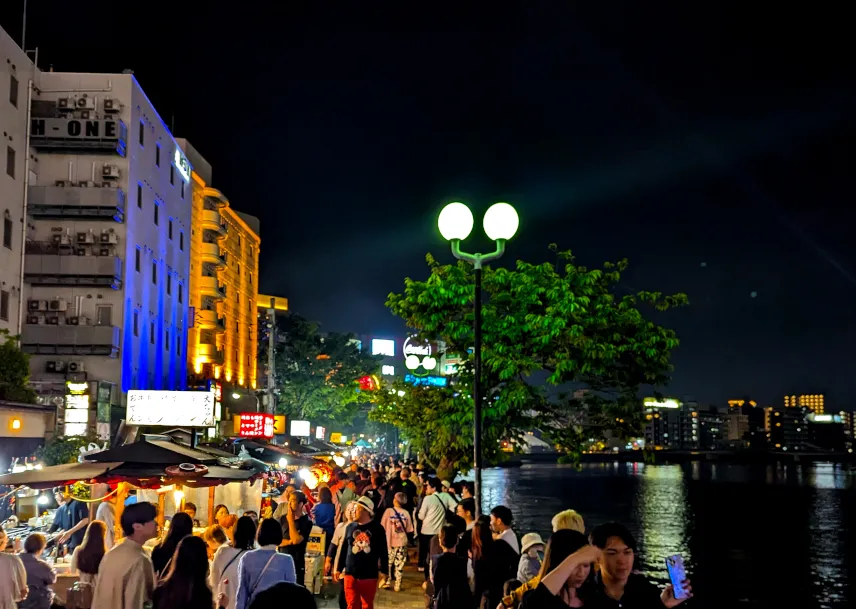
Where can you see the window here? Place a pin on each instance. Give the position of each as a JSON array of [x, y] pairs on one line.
[[137, 260], [157, 155], [4, 305], [181, 240], [157, 212], [169, 284], [152, 333], [140, 196], [182, 190], [154, 272], [13, 90], [169, 230], [178, 342], [142, 133], [7, 230], [180, 291], [172, 175], [104, 315], [166, 342], [136, 323], [239, 240], [10, 162]]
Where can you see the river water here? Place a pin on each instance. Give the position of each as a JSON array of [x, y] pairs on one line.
[[751, 536]]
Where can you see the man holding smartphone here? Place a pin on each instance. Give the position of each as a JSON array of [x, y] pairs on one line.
[[616, 585]]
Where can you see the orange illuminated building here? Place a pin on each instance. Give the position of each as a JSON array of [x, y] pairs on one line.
[[813, 402], [224, 258]]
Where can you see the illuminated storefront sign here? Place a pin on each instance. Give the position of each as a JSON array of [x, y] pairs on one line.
[[256, 425], [655, 403], [168, 408], [76, 409], [383, 346], [336, 437], [300, 429], [320, 432], [419, 356], [429, 381], [182, 164], [387, 370]]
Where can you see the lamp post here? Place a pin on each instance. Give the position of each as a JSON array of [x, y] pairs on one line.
[[500, 224], [238, 396]]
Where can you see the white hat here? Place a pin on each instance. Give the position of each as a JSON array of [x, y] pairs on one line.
[[446, 484], [529, 540], [368, 505]]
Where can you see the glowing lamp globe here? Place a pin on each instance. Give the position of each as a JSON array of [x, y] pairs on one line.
[[501, 221], [455, 221]]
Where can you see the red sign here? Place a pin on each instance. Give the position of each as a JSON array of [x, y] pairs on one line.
[[256, 425]]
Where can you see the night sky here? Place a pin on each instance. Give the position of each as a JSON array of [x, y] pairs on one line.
[[709, 145]]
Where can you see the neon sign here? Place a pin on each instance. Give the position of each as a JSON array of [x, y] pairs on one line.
[[183, 165], [427, 381], [418, 356], [256, 425]]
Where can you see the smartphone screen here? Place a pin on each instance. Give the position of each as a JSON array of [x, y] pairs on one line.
[[677, 573]]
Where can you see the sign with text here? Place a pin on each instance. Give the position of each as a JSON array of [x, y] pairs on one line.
[[319, 433], [300, 429], [171, 408], [79, 133], [256, 425]]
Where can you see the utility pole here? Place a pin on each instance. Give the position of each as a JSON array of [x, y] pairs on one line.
[[271, 377]]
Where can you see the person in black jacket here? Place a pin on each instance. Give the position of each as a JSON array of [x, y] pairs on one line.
[[364, 556], [449, 574]]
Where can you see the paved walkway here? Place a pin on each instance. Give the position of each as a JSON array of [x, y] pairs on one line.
[[411, 595]]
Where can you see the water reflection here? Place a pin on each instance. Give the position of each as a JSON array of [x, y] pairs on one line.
[[828, 569], [662, 512]]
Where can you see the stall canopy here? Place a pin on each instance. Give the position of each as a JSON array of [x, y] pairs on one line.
[[154, 450], [363, 444], [59, 475], [268, 453]]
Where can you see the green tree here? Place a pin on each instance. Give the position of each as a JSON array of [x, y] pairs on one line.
[[61, 450], [14, 371], [557, 319], [316, 375]]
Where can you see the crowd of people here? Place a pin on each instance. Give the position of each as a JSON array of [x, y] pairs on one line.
[[371, 514]]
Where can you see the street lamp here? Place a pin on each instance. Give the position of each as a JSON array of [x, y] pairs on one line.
[[238, 396], [500, 224]]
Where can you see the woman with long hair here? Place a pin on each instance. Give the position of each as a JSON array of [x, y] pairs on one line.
[[219, 512], [180, 527], [216, 538], [186, 583], [564, 572], [324, 514], [224, 568], [493, 563], [86, 557]]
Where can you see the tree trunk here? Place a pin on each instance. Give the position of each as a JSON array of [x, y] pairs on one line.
[[446, 469]]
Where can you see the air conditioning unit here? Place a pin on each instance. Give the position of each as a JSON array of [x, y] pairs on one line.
[[34, 305], [110, 171], [60, 183], [75, 366], [105, 251], [111, 105], [86, 114], [33, 319], [56, 239], [85, 238], [65, 103], [85, 103], [72, 321], [52, 321], [57, 304], [55, 366]]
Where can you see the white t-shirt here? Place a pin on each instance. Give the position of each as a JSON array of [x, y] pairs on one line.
[[105, 514], [509, 537], [13, 581]]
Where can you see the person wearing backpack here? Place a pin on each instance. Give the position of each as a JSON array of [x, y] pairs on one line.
[[449, 574], [397, 524]]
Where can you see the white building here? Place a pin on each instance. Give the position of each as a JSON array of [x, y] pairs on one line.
[[16, 71], [108, 247]]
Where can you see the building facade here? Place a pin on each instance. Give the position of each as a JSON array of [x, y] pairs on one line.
[[224, 264], [787, 428], [813, 402], [15, 75], [107, 262]]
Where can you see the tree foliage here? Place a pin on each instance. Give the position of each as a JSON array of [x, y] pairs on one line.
[[556, 319], [14, 371], [61, 450], [316, 375]]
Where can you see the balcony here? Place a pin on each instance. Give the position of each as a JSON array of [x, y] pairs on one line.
[[76, 202], [212, 221], [70, 340], [209, 320], [209, 354], [214, 197], [58, 270], [210, 286], [210, 252]]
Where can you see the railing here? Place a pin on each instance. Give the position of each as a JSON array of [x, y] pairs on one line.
[[67, 339]]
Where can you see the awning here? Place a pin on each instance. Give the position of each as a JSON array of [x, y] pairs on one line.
[[153, 452], [155, 477], [58, 475]]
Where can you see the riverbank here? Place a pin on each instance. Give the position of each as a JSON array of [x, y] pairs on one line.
[[678, 456]]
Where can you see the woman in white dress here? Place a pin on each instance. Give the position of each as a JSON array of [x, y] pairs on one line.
[[223, 577]]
